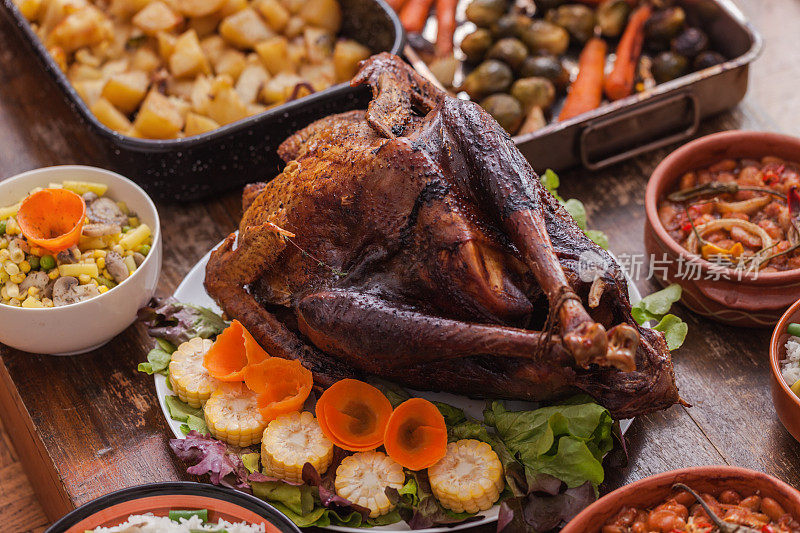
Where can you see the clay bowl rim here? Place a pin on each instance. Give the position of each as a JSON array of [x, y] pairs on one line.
[[674, 165], [774, 350], [706, 472]]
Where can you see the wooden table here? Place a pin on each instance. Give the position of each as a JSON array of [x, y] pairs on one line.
[[87, 425]]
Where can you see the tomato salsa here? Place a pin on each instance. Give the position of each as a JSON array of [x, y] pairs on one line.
[[682, 513], [738, 213]]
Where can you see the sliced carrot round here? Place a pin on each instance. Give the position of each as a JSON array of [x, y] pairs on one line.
[[227, 358], [52, 219], [282, 385], [353, 415], [416, 435]]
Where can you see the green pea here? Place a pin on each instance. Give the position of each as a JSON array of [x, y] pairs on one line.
[[2, 227], [144, 249], [33, 261], [126, 229], [47, 262]]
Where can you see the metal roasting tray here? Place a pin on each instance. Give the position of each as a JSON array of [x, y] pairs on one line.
[[668, 113], [238, 153]]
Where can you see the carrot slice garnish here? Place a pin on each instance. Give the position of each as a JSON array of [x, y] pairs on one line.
[[52, 219], [282, 385], [230, 354], [353, 415], [416, 435]]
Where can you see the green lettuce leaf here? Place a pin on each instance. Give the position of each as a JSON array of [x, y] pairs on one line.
[[251, 461], [574, 207], [656, 307], [674, 330], [567, 442], [192, 417], [157, 362]]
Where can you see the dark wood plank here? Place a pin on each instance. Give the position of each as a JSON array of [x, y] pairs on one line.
[[90, 424]]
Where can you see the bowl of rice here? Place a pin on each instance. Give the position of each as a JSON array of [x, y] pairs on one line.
[[784, 355], [175, 507]]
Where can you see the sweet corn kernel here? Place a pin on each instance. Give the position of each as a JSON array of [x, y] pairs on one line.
[[25, 266], [15, 302], [102, 288], [101, 263], [32, 303], [3, 243], [17, 255], [84, 279], [47, 302], [11, 227], [12, 289], [17, 278], [4, 276], [11, 268], [5, 255], [53, 274], [33, 291], [99, 254]]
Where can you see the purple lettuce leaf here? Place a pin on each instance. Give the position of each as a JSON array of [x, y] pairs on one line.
[[177, 322], [210, 456], [543, 512]]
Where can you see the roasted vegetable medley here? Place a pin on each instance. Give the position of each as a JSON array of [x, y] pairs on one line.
[[519, 59], [739, 213], [176, 68], [104, 247]]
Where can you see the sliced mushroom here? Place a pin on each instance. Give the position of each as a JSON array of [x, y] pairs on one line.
[[89, 197], [138, 259], [69, 256], [99, 229], [67, 290], [47, 292], [117, 267], [37, 279], [106, 211]]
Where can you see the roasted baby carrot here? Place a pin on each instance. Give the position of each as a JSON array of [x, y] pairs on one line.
[[282, 385], [230, 354], [416, 435], [446, 26], [414, 14], [397, 5], [586, 92], [52, 219], [619, 83], [353, 415]]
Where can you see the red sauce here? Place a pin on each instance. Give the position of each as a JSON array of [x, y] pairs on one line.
[[739, 229], [681, 513]]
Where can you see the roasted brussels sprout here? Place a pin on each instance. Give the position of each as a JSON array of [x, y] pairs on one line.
[[476, 44], [543, 36], [665, 24], [484, 13], [509, 50], [444, 68], [708, 59], [690, 42], [544, 5], [505, 109], [612, 16], [549, 67], [668, 66], [577, 19], [534, 92], [489, 77], [511, 25]]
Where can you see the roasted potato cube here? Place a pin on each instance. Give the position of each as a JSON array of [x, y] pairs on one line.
[[166, 44], [297, 51], [201, 95], [54, 11], [30, 9], [187, 58], [244, 29], [145, 59], [232, 6], [181, 87], [231, 63], [158, 118], [59, 56], [156, 17], [197, 124], [274, 13], [86, 57], [274, 53], [182, 106], [319, 75], [280, 88], [347, 54], [225, 106], [115, 66], [256, 108], [250, 82], [124, 9], [89, 90], [126, 90], [86, 27], [198, 8], [326, 14], [213, 46], [81, 72], [319, 44], [294, 6], [294, 27], [110, 116], [205, 25]]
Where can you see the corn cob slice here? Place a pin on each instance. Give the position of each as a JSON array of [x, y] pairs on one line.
[[468, 478], [232, 415], [187, 375], [363, 477], [292, 440]]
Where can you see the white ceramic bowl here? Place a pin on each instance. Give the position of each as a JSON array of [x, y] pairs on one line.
[[83, 326]]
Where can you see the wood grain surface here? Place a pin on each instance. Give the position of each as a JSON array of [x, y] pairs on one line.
[[87, 425]]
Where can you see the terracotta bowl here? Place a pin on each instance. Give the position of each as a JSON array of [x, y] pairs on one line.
[[752, 300], [651, 491], [159, 498], [787, 404]]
